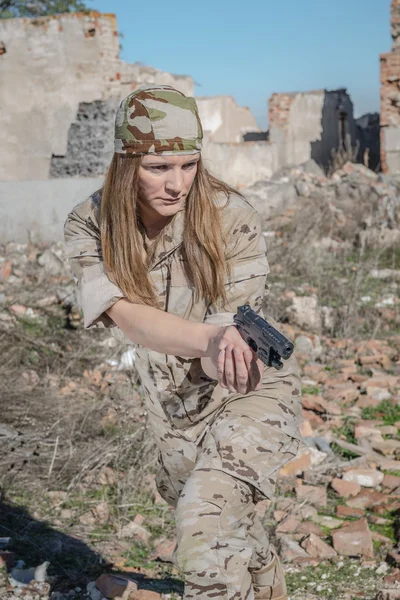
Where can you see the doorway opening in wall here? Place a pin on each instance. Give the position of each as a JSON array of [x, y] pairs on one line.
[[342, 114]]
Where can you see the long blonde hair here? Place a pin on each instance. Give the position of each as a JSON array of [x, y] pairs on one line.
[[125, 259]]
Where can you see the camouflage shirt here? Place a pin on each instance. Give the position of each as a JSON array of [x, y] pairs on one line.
[[178, 391]]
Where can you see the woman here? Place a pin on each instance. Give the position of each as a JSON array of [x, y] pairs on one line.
[[167, 253]]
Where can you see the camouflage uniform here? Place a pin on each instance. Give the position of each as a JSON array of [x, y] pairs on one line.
[[220, 452]]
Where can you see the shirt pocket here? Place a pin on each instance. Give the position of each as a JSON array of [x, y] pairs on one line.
[[181, 291]]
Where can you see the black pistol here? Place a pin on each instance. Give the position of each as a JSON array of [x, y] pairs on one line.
[[266, 341]]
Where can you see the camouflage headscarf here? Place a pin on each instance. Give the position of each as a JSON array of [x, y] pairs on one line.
[[157, 119]]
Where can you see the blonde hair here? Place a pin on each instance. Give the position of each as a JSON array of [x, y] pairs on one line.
[[124, 255]]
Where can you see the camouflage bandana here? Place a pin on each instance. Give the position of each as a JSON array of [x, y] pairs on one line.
[[157, 119]]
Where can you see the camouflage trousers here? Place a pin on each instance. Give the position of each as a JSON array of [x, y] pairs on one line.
[[214, 485]]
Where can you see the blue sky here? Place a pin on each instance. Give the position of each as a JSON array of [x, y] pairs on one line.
[[251, 48]]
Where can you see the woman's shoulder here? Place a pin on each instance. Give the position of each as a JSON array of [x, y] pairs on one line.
[[89, 208], [236, 209]]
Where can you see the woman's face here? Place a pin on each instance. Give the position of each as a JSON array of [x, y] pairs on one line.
[[164, 184]]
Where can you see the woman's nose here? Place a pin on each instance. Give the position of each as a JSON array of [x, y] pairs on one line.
[[174, 183]]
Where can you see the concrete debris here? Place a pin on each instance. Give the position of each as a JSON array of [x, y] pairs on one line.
[[354, 539]]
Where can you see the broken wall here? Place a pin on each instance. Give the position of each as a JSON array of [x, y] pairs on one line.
[[224, 121], [306, 125], [47, 67], [390, 98]]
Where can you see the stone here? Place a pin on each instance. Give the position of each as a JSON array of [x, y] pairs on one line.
[[305, 312], [329, 522], [345, 488], [51, 263], [386, 447], [320, 405], [288, 525], [115, 586], [135, 531], [297, 465], [271, 198], [312, 494], [145, 595], [92, 591], [354, 540], [307, 527], [391, 482], [163, 550], [367, 498], [364, 477], [388, 429], [316, 547], [289, 549]]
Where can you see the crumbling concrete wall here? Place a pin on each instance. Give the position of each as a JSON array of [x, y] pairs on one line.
[[306, 125], [36, 210], [390, 98], [224, 121], [47, 67], [243, 164]]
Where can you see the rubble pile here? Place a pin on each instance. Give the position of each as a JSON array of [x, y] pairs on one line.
[[73, 432]]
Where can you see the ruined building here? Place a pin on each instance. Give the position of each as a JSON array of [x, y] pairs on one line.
[[62, 80], [48, 66], [390, 98]]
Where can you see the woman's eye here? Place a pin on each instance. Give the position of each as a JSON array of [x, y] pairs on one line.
[[159, 168], [190, 165]]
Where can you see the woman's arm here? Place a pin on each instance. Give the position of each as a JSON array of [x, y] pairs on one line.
[[162, 331], [169, 334]]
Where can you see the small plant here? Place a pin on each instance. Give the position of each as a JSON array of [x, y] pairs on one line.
[[386, 410]]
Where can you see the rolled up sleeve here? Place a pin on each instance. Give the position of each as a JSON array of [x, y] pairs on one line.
[[249, 269], [96, 292]]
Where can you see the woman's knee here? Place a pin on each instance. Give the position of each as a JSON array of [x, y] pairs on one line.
[[214, 511]]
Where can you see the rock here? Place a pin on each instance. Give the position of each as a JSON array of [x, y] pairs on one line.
[[316, 547], [18, 309], [25, 576], [271, 198], [288, 525], [307, 527], [361, 169], [289, 549], [115, 586], [312, 494], [386, 447], [367, 499], [391, 482], [354, 540], [47, 301], [345, 488], [135, 531], [329, 522], [146, 595], [311, 167], [364, 477], [92, 591], [302, 188], [163, 550], [305, 312], [51, 263], [297, 465]]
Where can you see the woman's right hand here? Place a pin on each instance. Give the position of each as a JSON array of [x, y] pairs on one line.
[[237, 367]]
